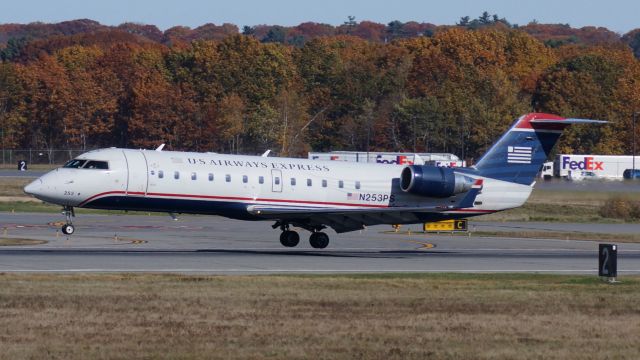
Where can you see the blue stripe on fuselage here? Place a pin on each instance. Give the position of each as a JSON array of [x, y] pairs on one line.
[[234, 210]]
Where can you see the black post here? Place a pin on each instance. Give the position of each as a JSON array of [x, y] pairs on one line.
[[608, 261]]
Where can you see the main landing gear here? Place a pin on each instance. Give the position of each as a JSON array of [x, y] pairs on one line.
[[290, 238], [319, 240], [68, 228]]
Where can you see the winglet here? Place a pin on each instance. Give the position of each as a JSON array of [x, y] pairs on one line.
[[468, 200], [266, 153], [159, 148]]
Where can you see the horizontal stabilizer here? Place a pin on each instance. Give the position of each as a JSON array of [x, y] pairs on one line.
[[567, 121]]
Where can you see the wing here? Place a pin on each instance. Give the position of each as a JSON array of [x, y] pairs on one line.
[[343, 220]]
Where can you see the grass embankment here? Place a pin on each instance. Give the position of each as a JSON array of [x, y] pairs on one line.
[[39, 167], [543, 205], [369, 316], [561, 206], [535, 234]]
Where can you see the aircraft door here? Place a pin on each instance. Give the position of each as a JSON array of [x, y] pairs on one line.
[[276, 180], [136, 173]]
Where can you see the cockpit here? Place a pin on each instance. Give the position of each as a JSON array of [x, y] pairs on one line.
[[86, 164]]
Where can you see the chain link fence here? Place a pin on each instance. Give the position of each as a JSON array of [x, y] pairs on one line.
[[38, 156]]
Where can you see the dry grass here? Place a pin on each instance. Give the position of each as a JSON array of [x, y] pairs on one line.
[[39, 167], [560, 206], [324, 317], [13, 186], [555, 206], [20, 242], [533, 234]]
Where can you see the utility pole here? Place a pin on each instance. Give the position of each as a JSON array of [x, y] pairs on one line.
[[635, 117]]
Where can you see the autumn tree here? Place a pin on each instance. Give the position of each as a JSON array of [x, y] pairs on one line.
[[11, 106]]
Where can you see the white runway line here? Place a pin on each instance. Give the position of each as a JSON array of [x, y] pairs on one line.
[[321, 271]]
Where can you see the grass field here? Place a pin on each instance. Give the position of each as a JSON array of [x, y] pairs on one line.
[[543, 205], [539, 234], [40, 167], [409, 316]]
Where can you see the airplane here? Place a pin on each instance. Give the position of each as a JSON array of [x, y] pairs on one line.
[[303, 193]]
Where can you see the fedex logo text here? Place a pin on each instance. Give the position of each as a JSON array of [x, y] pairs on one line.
[[587, 164]]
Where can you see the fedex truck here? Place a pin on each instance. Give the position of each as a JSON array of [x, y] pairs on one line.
[[600, 166], [397, 158]]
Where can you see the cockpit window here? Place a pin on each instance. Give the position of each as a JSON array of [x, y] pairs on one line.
[[74, 164], [86, 164], [94, 164]]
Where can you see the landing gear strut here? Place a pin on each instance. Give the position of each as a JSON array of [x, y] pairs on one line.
[[68, 228]]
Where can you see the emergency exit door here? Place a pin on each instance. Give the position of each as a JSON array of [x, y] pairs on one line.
[[276, 180], [136, 173]]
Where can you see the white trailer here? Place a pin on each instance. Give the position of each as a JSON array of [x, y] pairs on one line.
[[398, 158], [602, 166]]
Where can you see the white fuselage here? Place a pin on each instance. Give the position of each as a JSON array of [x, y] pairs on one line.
[[209, 183]]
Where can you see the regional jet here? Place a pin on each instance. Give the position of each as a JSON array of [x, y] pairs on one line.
[[302, 193]]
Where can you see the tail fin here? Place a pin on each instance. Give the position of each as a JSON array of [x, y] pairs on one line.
[[518, 155]]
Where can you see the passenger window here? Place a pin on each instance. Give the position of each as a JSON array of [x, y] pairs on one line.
[[160, 174], [293, 181], [245, 179], [340, 184], [277, 180], [324, 183], [193, 176], [357, 184], [210, 177], [261, 179], [309, 182], [227, 178], [176, 175]]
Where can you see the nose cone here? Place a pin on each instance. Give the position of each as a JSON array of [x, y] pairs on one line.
[[34, 188]]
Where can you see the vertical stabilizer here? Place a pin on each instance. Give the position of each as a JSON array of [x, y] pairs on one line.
[[519, 154]]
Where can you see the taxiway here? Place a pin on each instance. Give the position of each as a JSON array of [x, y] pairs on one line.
[[214, 245]]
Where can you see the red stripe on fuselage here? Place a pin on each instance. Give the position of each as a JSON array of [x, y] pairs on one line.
[[191, 196]]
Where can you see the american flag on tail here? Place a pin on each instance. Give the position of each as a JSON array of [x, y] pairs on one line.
[[519, 155]]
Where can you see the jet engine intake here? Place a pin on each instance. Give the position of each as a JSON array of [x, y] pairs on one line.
[[433, 181]]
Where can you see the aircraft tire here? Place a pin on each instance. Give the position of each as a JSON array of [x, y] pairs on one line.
[[68, 229], [289, 238], [319, 240]]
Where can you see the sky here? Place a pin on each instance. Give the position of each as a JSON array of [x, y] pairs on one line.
[[616, 15]]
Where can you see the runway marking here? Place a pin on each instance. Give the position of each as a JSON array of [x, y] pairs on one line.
[[423, 245], [319, 271]]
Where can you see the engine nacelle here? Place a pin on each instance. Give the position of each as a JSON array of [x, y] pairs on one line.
[[433, 181]]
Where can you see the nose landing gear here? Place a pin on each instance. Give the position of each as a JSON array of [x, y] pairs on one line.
[[68, 228]]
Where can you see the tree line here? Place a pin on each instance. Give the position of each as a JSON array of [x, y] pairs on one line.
[[455, 89]]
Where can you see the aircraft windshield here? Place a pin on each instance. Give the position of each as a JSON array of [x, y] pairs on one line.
[[86, 164], [93, 164], [74, 164]]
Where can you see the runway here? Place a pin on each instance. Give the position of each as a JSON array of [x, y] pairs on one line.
[[214, 245]]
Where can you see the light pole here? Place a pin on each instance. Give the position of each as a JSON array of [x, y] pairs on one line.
[[635, 116]]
